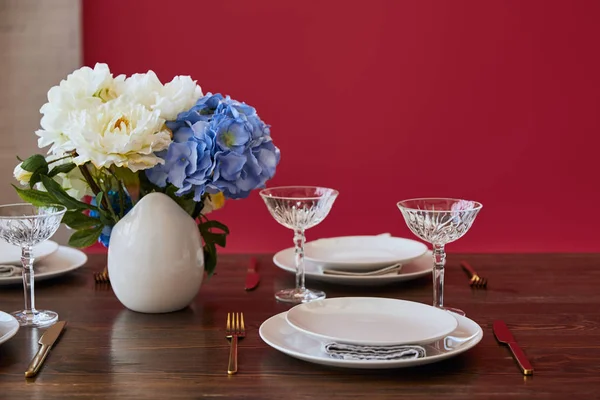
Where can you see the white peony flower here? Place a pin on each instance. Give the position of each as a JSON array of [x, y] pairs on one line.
[[85, 88], [119, 132], [21, 175], [176, 96], [73, 181]]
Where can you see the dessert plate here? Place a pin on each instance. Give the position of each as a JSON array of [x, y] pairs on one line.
[[278, 334], [65, 259], [372, 321], [356, 253], [11, 254], [418, 268]]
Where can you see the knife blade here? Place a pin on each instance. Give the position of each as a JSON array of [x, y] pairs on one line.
[[252, 276], [46, 341], [503, 335]]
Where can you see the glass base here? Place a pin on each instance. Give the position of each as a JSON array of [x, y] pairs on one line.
[[298, 296], [454, 310], [35, 318]]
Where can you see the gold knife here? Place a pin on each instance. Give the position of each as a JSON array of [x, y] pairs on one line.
[[47, 340], [503, 335]]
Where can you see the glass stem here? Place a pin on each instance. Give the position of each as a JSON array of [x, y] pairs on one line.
[[439, 261], [28, 278], [299, 244]]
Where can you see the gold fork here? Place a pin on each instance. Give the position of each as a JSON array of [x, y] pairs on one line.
[[102, 277], [235, 329], [476, 280]]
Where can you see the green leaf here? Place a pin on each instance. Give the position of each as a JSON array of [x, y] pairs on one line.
[[208, 225], [61, 169], [216, 238], [210, 258], [77, 220], [127, 176], [85, 237], [37, 176], [61, 195], [36, 197], [34, 162], [99, 197]]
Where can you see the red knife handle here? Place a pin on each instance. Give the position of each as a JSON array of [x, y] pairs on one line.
[[252, 267], [521, 358]]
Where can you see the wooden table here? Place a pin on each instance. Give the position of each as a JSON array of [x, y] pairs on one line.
[[551, 303]]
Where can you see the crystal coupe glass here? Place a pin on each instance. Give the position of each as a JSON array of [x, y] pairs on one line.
[[25, 225], [439, 221], [299, 208]]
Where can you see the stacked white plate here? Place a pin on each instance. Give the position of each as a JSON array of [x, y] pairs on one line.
[[51, 260], [8, 326], [304, 331], [360, 254]]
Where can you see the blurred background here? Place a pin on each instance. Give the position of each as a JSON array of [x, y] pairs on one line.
[[494, 101]]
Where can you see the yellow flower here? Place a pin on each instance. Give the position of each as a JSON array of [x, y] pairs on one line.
[[213, 202]]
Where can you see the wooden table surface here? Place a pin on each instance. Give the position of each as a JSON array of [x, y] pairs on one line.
[[550, 302]]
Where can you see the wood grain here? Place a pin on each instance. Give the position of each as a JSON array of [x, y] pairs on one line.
[[550, 302]]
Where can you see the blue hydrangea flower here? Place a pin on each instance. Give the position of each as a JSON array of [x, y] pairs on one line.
[[241, 168], [203, 110], [188, 160], [113, 196], [219, 145]]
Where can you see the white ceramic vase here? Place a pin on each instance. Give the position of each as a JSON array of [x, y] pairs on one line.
[[155, 257]]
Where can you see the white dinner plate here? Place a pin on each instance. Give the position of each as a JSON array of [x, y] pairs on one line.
[[372, 321], [278, 334], [11, 254], [420, 267], [8, 326], [65, 259], [356, 253]]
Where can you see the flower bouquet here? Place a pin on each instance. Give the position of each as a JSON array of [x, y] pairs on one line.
[[115, 139]]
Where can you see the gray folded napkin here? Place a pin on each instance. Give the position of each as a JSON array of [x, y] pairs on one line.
[[343, 351], [391, 270], [9, 270]]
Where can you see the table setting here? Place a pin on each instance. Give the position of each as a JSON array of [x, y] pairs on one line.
[[163, 313]]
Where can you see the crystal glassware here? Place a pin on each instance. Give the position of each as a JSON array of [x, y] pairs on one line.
[[299, 208], [439, 221], [25, 225]]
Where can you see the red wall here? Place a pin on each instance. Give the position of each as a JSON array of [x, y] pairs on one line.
[[496, 101]]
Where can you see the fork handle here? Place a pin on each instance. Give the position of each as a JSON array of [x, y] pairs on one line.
[[465, 265], [232, 368]]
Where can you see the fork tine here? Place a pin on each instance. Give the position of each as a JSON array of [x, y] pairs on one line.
[[243, 327], [228, 324]]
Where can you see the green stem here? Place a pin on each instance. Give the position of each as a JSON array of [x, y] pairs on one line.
[[90, 181], [106, 197], [59, 159], [121, 199], [197, 209]]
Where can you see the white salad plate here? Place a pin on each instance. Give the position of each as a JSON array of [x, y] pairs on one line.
[[11, 254], [360, 253], [8, 326], [65, 259], [418, 268], [372, 321], [278, 334]]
